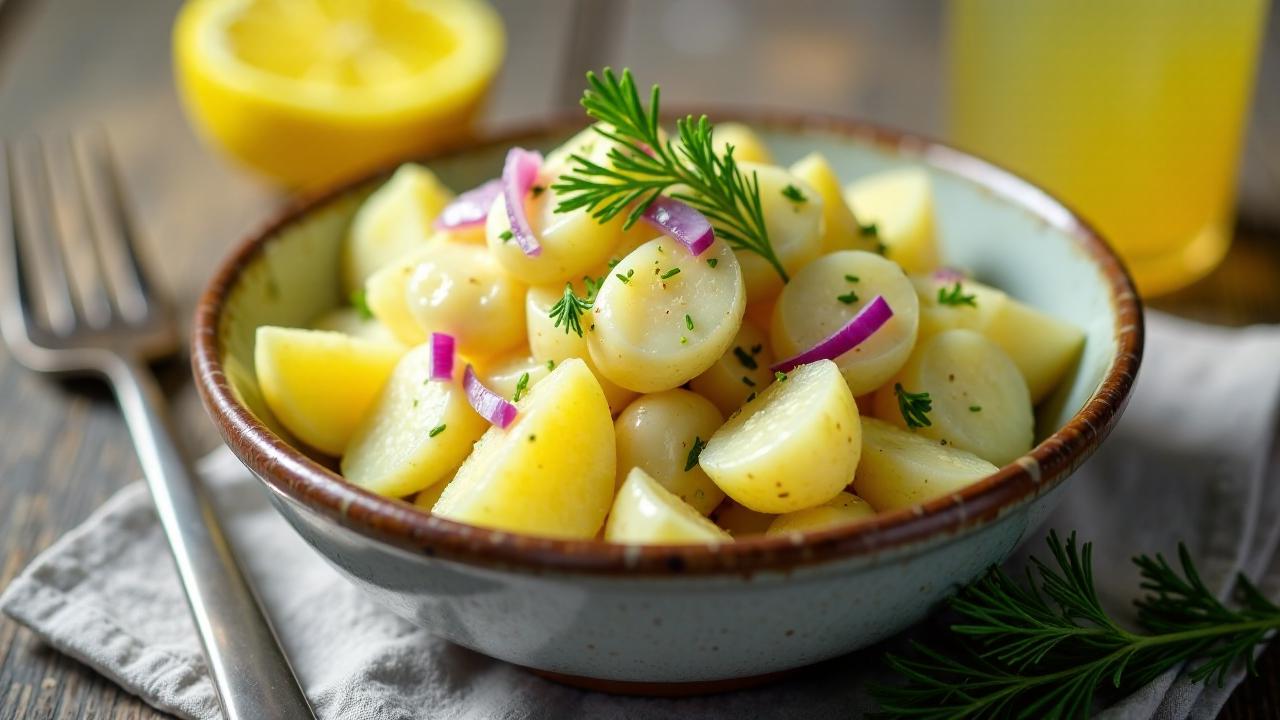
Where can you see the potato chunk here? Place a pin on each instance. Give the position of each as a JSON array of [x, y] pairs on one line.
[[647, 513], [551, 472], [393, 222], [823, 297], [670, 320], [548, 343], [841, 510], [662, 434], [459, 289], [900, 468], [900, 204], [419, 431], [840, 229], [739, 373], [793, 217], [503, 375], [319, 383], [795, 446], [747, 145]]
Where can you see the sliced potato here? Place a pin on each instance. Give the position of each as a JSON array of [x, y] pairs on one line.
[[747, 145], [972, 306], [349, 321], [794, 226], [900, 469], [979, 399], [647, 513], [824, 296], [840, 229], [417, 433], [387, 295], [551, 472], [459, 289], [503, 375], [393, 222], [840, 510], [319, 384], [739, 373], [900, 204], [793, 447], [428, 498], [639, 333], [662, 434], [551, 344], [741, 521]]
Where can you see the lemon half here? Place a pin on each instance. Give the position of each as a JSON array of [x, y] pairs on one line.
[[312, 91]]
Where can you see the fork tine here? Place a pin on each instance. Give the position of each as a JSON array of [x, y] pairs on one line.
[[15, 304], [114, 229], [36, 235], [75, 234]]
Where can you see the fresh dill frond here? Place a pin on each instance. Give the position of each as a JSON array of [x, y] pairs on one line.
[[1045, 647], [915, 407], [568, 310], [644, 165], [695, 452], [955, 296], [522, 386]]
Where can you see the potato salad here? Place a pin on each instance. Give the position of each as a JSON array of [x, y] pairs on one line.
[[660, 335]]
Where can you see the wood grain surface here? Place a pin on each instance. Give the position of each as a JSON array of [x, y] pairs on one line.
[[68, 64]]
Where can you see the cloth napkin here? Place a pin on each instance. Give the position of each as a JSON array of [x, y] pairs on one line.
[[1194, 459]]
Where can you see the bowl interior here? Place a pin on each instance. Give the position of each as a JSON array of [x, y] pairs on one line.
[[1025, 247]]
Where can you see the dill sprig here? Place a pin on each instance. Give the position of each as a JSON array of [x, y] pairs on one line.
[[955, 296], [644, 165], [1044, 648], [569, 308], [915, 407]]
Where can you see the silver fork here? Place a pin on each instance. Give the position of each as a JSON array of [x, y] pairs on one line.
[[76, 301]]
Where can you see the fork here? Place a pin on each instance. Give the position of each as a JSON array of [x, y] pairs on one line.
[[57, 218]]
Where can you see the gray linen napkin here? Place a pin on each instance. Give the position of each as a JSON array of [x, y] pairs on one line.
[[1194, 459]]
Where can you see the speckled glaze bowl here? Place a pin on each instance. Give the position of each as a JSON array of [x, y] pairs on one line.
[[685, 619]]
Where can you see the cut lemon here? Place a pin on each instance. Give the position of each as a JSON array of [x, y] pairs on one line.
[[311, 91]]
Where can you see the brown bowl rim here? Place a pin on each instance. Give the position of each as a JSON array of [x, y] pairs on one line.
[[295, 476]]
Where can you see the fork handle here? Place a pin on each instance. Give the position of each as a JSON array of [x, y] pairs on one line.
[[253, 677]]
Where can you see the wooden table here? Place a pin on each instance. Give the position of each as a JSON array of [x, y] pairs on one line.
[[68, 63]]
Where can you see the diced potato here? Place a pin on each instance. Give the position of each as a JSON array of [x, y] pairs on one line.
[[672, 318], [419, 431], [900, 469], [900, 204], [840, 229], [793, 447], [502, 375], [647, 513], [979, 399], [548, 343], [428, 498], [662, 434], [795, 230], [828, 293], [937, 316], [319, 384], [459, 289], [387, 296], [841, 510], [393, 222], [741, 371], [349, 321], [551, 472], [747, 145], [741, 521]]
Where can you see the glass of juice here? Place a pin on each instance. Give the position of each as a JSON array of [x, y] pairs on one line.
[[1132, 111]]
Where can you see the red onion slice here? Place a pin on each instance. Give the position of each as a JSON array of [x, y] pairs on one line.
[[490, 405], [682, 222], [442, 350], [518, 175], [869, 319], [471, 208]]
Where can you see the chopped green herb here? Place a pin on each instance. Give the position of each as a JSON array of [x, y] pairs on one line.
[[747, 361], [684, 340], [625, 279], [522, 386], [568, 310], [752, 396], [670, 273], [688, 322], [692, 460], [748, 381], [755, 349], [792, 193], [851, 278], [436, 430], [956, 297], [613, 263], [551, 364], [915, 407], [415, 402], [506, 235], [780, 376], [882, 249], [870, 229], [848, 298], [532, 437], [975, 408], [712, 263], [361, 304]]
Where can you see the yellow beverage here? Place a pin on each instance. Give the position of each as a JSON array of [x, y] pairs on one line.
[[1132, 111]]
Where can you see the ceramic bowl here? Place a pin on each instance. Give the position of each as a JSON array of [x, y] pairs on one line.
[[686, 618]]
